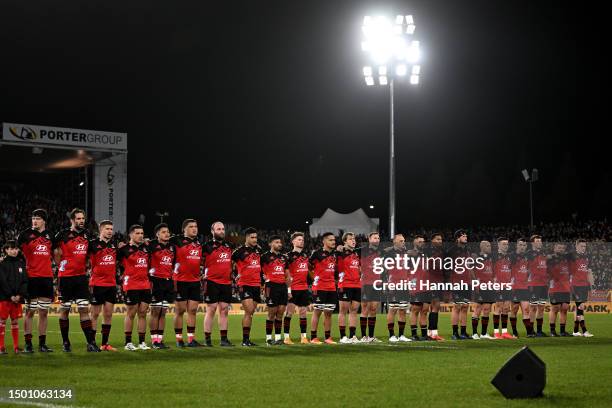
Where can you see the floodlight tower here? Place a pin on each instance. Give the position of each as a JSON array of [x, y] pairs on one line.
[[393, 54], [530, 178]]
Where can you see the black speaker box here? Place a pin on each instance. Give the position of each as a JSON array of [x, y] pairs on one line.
[[523, 376]]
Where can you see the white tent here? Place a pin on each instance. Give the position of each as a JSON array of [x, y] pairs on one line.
[[332, 221]]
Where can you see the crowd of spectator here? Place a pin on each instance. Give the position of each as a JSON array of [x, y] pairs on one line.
[[16, 207]]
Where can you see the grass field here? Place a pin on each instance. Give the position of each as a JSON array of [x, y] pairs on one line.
[[451, 373]]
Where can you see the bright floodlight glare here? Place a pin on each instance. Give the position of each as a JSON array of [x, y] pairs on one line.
[[378, 34], [414, 79], [416, 69], [413, 53], [390, 50]]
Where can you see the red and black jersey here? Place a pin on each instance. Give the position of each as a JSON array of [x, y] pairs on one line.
[[188, 258], [460, 273], [502, 266], [397, 275], [435, 272], [559, 268], [579, 264], [135, 263], [74, 245], [248, 265], [273, 266], [218, 262], [485, 274], [36, 247], [103, 261], [349, 268], [520, 271], [297, 263], [324, 270], [161, 261], [538, 272], [420, 274], [368, 254]]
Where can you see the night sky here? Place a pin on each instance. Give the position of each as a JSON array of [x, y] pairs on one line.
[[256, 112]]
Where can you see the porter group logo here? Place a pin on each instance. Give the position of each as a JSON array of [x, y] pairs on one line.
[[24, 133]]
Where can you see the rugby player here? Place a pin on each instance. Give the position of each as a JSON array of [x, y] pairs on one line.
[[277, 282], [161, 265], [71, 247], [538, 284], [370, 297], [349, 287], [559, 288], [103, 281], [247, 264], [484, 298], [398, 300], [36, 246], [420, 298], [187, 258], [218, 282], [502, 267], [324, 266], [299, 296], [436, 275], [461, 298], [581, 279], [134, 261], [520, 288]]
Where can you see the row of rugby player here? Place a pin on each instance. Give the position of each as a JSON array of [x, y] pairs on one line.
[[169, 269]]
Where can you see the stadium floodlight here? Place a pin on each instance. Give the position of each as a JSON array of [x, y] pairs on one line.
[[390, 45], [162, 215], [530, 178]]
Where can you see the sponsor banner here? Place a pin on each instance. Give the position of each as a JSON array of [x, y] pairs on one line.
[[590, 307], [236, 308], [121, 309], [110, 190], [64, 137], [600, 296]]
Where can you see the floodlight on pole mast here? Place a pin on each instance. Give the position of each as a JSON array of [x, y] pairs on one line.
[[393, 54]]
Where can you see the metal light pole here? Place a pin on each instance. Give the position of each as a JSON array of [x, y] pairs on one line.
[[530, 178], [391, 166], [161, 215], [394, 55]]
